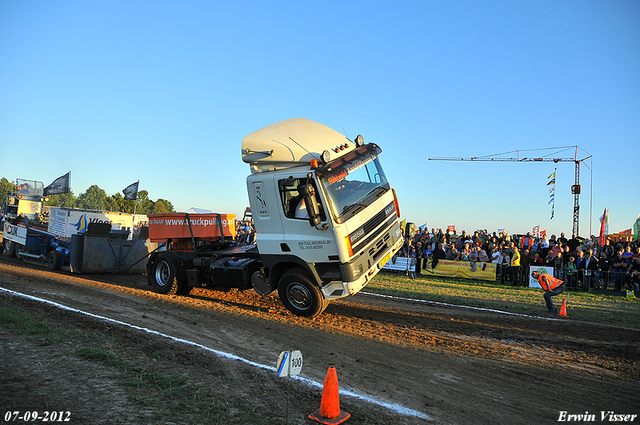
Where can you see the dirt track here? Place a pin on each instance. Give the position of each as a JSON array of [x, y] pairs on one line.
[[454, 365]]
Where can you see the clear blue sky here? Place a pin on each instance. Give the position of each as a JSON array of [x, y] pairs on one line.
[[164, 91]]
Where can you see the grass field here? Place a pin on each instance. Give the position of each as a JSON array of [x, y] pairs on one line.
[[612, 309]]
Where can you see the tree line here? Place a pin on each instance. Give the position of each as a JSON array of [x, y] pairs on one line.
[[95, 198]]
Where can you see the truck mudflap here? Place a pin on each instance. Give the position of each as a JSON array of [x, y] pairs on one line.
[[336, 290]]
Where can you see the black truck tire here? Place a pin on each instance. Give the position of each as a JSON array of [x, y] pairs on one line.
[[18, 248], [54, 260], [164, 276], [299, 295], [8, 248]]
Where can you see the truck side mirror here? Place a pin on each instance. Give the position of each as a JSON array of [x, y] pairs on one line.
[[313, 208], [310, 202]]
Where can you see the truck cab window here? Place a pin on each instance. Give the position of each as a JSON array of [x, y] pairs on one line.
[[292, 198]]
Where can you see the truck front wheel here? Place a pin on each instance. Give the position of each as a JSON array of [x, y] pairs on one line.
[[9, 248], [164, 278], [299, 295]]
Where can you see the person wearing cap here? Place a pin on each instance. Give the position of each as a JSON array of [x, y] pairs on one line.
[[552, 287]]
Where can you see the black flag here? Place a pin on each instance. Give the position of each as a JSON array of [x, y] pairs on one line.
[[59, 185], [131, 191]]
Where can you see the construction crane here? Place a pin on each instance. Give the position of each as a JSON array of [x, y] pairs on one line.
[[575, 188]]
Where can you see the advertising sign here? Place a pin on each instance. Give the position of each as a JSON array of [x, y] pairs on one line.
[[65, 222], [533, 283], [17, 234], [465, 269], [398, 264]]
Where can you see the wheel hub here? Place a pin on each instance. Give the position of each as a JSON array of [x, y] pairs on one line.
[[299, 296], [162, 273]]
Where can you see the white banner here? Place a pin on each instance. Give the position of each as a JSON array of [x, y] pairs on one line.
[[533, 283], [400, 264], [65, 222]]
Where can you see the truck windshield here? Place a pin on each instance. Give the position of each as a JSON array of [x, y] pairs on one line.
[[353, 181]]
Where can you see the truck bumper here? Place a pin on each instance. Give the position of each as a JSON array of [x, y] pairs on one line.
[[336, 290]]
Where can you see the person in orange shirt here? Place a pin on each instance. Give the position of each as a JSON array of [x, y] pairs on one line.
[[552, 287]]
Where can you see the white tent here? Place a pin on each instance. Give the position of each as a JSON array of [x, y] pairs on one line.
[[193, 210]]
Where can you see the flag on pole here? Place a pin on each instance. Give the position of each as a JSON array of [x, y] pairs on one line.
[[59, 185], [604, 225], [131, 191], [552, 191], [536, 231]]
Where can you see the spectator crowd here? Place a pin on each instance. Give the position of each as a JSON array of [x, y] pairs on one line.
[[581, 263], [245, 232]]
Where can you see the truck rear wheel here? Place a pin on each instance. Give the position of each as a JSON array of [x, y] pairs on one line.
[[9, 248], [164, 279], [54, 260], [299, 295]]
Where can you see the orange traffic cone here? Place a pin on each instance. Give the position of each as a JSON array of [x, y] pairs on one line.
[[329, 412], [563, 309]]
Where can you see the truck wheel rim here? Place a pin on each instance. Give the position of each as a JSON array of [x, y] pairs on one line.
[[299, 296], [162, 273]]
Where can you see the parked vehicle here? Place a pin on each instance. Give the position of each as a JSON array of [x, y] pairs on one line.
[[77, 240]]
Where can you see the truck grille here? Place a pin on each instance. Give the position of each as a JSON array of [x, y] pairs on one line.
[[380, 247], [369, 229], [374, 222]]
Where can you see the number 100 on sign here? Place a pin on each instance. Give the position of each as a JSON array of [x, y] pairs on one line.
[[289, 363]]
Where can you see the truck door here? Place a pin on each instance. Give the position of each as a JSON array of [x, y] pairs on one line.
[[300, 237], [267, 217]]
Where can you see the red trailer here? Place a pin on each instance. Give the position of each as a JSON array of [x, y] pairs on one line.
[[183, 231]]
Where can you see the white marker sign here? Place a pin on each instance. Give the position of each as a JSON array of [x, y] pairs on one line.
[[289, 363]]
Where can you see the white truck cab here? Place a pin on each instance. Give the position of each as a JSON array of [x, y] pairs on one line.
[[325, 215]]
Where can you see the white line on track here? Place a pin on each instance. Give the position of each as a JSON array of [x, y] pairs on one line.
[[417, 300], [391, 406]]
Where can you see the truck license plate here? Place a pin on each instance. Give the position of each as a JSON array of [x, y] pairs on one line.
[[384, 260]]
